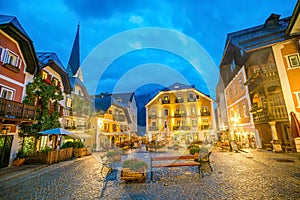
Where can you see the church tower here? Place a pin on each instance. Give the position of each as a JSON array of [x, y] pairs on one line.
[[73, 69]]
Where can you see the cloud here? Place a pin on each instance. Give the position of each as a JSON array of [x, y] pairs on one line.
[[136, 20]]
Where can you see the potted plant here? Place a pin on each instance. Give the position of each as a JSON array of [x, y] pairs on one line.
[[134, 169], [20, 159]]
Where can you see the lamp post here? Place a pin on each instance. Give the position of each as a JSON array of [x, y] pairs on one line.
[[99, 133]]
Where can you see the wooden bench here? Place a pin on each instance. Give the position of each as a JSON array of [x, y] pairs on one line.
[[185, 160]]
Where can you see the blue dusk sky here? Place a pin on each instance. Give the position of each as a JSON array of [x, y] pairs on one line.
[[127, 44]]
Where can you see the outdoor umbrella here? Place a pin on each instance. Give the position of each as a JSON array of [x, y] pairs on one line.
[[295, 126], [56, 131]]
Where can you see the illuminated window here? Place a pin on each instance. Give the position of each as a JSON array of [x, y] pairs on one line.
[[69, 102], [7, 93], [44, 75], [194, 123], [193, 111]]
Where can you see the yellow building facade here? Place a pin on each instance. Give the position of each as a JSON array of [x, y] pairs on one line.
[[110, 125], [181, 113]]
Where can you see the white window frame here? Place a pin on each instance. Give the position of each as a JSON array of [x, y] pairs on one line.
[[7, 89], [288, 58], [6, 56]]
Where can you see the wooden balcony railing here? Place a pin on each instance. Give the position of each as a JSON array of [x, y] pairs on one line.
[[16, 111], [180, 115], [181, 128]]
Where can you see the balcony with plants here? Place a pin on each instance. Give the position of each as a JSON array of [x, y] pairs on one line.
[[16, 111]]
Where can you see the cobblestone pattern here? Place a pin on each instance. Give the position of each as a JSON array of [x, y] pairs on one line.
[[78, 179], [256, 175]]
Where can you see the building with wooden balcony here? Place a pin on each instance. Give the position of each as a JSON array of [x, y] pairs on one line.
[[179, 112], [18, 65], [287, 57], [110, 122], [263, 51]]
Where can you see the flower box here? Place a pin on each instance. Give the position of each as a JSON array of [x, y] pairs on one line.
[[131, 175], [134, 170]]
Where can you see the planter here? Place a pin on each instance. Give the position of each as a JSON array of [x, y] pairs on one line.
[[65, 154], [48, 157], [18, 162], [136, 176]]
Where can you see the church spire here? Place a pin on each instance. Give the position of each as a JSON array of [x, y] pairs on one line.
[[74, 60]]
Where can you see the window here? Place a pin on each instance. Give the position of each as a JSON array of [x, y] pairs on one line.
[[153, 124], [69, 102], [179, 98], [166, 112], [294, 60], [241, 83], [44, 75], [194, 123], [55, 81], [9, 57], [180, 123], [193, 111], [7, 93], [153, 112], [245, 109], [232, 66]]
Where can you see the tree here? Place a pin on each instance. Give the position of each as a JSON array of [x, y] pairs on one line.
[[45, 96]]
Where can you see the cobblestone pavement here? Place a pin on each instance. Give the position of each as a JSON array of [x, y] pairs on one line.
[[259, 174]]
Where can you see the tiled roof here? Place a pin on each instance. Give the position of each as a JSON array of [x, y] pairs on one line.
[[178, 86], [260, 36], [125, 97], [103, 103], [6, 19], [46, 57]]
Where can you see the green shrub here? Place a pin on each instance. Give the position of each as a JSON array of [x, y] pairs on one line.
[[75, 144], [67, 145], [194, 150]]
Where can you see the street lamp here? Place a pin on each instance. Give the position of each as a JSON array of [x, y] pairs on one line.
[[98, 132]]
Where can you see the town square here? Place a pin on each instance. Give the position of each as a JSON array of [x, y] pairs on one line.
[[149, 100]]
